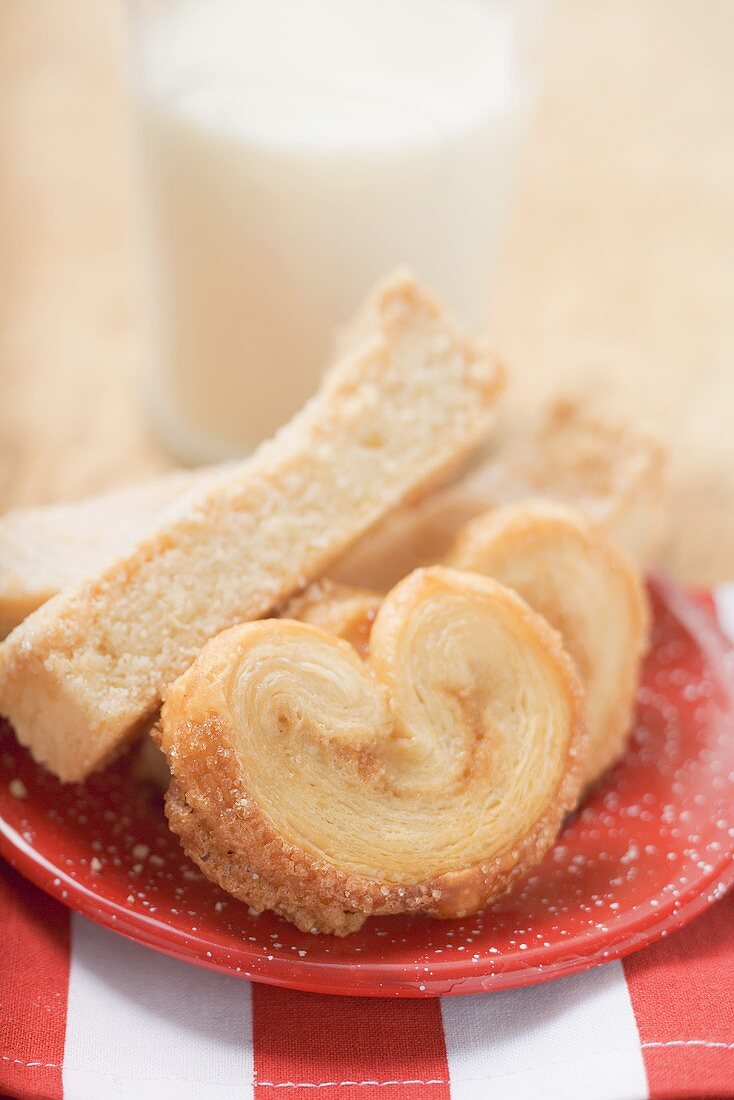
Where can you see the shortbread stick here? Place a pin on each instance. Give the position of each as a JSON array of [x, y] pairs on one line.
[[85, 673], [614, 472], [47, 549]]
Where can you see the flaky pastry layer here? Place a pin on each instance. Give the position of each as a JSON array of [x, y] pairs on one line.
[[422, 779], [586, 586]]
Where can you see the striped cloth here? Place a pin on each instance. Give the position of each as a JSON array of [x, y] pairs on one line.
[[85, 1014]]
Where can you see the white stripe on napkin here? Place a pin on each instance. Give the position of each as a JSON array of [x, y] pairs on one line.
[[143, 1026], [575, 1037], [724, 601]]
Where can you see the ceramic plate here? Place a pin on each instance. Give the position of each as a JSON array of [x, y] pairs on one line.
[[651, 848]]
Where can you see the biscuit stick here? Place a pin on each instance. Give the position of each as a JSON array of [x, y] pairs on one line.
[[85, 673], [612, 471]]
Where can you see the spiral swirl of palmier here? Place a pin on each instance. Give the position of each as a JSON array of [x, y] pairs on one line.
[[422, 779]]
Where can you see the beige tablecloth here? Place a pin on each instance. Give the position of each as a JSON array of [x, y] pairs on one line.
[[618, 277]]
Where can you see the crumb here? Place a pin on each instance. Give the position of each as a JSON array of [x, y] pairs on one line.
[[17, 788], [141, 851], [95, 864]]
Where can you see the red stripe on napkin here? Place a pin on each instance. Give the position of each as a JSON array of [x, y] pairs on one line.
[[682, 991], [34, 978], [347, 1048]]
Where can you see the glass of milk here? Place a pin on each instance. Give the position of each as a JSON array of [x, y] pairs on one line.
[[295, 151]]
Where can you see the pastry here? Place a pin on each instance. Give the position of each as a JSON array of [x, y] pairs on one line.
[[339, 609], [424, 779], [48, 549], [611, 471], [569, 570], [84, 674], [616, 472]]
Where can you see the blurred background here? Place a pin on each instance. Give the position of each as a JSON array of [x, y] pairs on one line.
[[615, 278]]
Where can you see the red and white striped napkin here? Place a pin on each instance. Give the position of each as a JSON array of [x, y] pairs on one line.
[[85, 1014]]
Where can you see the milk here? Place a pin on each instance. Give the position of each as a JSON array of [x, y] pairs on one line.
[[295, 152]]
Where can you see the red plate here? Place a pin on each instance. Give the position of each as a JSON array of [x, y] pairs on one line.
[[651, 848]]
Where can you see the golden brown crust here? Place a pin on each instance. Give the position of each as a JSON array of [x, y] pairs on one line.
[[408, 769]]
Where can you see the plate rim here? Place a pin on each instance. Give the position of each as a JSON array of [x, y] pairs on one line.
[[630, 931], [463, 977]]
